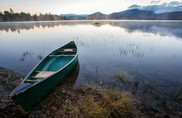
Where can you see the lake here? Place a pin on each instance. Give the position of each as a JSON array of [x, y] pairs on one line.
[[148, 50]]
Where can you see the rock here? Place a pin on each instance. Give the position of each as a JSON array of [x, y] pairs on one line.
[[166, 116], [101, 83]]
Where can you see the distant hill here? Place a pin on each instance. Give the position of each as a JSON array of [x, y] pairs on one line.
[[169, 16], [72, 16], [97, 15], [134, 14]]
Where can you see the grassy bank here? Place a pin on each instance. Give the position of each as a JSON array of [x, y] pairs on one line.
[[84, 101]]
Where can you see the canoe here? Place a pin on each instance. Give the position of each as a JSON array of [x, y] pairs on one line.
[[46, 75]]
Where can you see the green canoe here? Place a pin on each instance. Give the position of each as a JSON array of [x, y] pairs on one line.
[[45, 76]]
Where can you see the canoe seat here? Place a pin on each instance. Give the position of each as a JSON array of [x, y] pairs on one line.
[[43, 74], [68, 50]]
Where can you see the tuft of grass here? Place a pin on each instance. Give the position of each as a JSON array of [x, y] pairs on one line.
[[136, 83], [121, 76], [124, 78], [118, 104], [92, 102], [107, 104], [148, 87], [165, 100], [135, 86]]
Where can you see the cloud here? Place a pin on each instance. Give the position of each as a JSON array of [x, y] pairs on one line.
[[134, 7], [162, 8], [175, 3], [155, 1]]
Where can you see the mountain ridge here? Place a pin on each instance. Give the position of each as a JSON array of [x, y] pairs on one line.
[[73, 15], [134, 14]]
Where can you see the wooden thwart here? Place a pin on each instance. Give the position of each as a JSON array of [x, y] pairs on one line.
[[67, 51], [42, 71], [61, 55], [43, 74]]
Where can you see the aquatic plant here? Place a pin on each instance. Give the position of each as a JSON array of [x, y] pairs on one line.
[[123, 77]]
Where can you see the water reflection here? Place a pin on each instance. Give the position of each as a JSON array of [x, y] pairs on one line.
[[162, 28], [71, 78], [18, 26], [149, 50], [156, 27]]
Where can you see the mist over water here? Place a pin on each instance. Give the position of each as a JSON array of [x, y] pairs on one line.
[[149, 50]]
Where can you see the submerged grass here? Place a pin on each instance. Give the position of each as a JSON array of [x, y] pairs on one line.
[[123, 77]]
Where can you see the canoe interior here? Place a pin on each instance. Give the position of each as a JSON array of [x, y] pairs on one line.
[[53, 62]]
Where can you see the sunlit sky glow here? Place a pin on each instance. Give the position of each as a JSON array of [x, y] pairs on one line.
[[74, 6]]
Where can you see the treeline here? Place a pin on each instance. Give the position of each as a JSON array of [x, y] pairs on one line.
[[11, 16]]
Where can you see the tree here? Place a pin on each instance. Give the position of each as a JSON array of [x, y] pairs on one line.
[[1, 16], [7, 16], [11, 10], [11, 16], [35, 17]]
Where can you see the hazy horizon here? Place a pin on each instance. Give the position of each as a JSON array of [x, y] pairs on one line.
[[88, 7]]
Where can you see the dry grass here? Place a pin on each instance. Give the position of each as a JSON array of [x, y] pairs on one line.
[[91, 102], [107, 104]]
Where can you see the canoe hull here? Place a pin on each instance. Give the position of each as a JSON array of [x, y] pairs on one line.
[[28, 99]]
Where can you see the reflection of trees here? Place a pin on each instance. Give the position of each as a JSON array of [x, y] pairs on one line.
[[162, 28], [17, 26]]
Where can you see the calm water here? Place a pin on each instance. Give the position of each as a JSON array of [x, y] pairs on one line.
[[149, 50]]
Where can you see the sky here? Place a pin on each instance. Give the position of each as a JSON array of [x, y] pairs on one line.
[[81, 6]]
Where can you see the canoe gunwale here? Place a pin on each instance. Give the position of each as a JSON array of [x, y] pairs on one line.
[[34, 84]]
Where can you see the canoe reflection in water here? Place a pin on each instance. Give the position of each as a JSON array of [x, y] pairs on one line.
[[45, 76], [71, 78]]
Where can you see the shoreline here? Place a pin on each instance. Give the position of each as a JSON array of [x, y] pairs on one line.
[[9, 79], [65, 95]]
